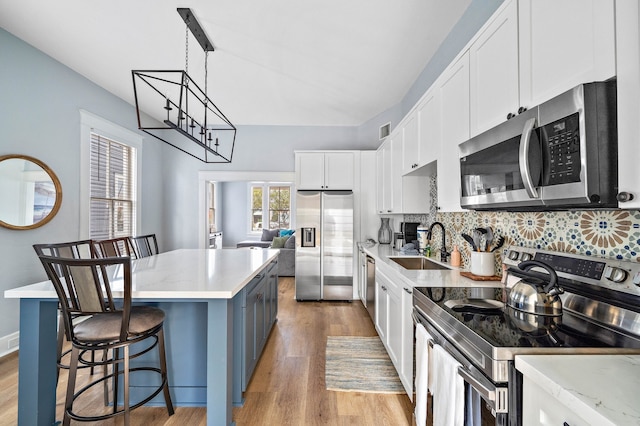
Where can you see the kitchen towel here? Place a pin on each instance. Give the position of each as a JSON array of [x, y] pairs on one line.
[[473, 415], [447, 388], [422, 373]]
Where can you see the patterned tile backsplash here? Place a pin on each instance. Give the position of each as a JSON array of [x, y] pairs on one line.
[[603, 233]]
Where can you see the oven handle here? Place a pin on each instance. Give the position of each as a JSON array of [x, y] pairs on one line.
[[484, 391], [523, 157]]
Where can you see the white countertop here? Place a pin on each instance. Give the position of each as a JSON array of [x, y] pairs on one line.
[[423, 278], [602, 388], [179, 274]]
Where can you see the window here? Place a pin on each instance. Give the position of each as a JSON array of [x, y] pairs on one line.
[[270, 206], [112, 191]]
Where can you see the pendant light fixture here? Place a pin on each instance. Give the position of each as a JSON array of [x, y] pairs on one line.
[[191, 122]]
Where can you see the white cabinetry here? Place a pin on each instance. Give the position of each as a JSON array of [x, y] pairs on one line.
[[454, 95], [429, 125], [539, 407], [628, 70], [493, 65], [406, 358], [563, 44], [386, 176], [388, 316], [324, 170], [410, 147]]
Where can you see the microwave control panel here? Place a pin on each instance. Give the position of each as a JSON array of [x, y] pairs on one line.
[[561, 147]]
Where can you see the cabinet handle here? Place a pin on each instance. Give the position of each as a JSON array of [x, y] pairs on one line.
[[510, 116], [407, 290], [384, 288], [624, 196], [522, 109], [565, 424], [388, 211]]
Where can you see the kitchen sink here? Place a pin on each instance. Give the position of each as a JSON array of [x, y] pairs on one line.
[[417, 263]]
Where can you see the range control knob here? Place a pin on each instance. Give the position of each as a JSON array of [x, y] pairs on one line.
[[617, 275], [513, 255], [636, 279], [525, 257]]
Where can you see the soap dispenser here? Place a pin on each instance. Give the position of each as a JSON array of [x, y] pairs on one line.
[[455, 256]]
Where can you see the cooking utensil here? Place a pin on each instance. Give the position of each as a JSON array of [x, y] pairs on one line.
[[468, 239], [477, 238], [499, 243], [488, 238], [530, 295]]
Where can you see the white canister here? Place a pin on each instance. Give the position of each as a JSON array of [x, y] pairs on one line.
[[482, 263], [423, 241]]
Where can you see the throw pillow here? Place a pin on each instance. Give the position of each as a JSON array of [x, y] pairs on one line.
[[291, 242], [279, 242], [268, 234], [286, 232]]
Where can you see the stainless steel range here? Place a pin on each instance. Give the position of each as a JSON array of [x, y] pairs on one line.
[[596, 310]]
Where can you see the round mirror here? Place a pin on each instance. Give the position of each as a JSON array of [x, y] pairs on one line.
[[30, 192]]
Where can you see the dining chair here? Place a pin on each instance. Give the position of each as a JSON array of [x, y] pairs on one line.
[[83, 249], [114, 247], [84, 289], [145, 245]]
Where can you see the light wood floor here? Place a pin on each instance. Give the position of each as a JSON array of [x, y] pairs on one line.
[[288, 384]]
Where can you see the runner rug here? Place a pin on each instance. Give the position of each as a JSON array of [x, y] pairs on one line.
[[360, 364]]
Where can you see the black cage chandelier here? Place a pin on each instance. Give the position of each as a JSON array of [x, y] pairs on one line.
[[192, 122]]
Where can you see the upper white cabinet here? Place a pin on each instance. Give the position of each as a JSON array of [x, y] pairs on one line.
[[429, 127], [533, 50], [454, 96], [411, 144], [331, 170], [493, 65], [563, 44]]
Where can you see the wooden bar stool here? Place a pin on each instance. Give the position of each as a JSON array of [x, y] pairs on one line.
[[114, 247], [84, 289], [145, 245]]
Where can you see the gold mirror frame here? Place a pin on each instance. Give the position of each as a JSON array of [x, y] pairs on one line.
[[56, 183]]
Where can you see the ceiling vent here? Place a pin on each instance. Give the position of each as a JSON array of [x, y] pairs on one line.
[[385, 130]]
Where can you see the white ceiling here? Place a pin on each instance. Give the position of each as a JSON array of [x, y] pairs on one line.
[[277, 62]]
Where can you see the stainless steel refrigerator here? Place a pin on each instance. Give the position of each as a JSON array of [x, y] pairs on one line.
[[324, 252]]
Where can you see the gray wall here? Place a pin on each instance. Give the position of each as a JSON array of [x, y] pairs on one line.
[[39, 117]]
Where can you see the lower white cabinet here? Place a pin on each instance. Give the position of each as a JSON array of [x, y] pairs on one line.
[[540, 408], [394, 325]]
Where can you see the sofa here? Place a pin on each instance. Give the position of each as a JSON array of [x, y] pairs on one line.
[[283, 240]]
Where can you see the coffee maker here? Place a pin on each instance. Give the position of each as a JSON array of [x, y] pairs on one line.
[[410, 231]]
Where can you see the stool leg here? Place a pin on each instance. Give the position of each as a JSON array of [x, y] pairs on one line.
[[60, 342], [71, 384], [125, 357], [163, 368], [105, 370], [116, 375]]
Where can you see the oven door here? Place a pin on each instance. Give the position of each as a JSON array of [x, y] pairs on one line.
[[494, 405]]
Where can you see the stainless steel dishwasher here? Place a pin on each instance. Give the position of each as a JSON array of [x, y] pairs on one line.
[[370, 290]]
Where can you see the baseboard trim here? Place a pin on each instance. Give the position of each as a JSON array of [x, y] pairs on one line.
[[9, 343]]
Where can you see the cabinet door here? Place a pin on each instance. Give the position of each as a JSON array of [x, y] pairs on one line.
[[395, 173], [381, 306], [428, 116], [540, 408], [309, 170], [493, 70], [410, 143], [338, 170], [454, 100], [563, 44], [380, 177], [406, 357], [394, 325]]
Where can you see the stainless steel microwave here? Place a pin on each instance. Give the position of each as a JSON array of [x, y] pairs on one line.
[[562, 154]]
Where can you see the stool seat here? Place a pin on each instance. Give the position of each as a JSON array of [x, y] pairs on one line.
[[106, 327]]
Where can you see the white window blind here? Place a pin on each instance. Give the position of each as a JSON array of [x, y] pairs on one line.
[[112, 188]]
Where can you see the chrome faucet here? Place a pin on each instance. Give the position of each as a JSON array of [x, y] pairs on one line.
[[443, 248]]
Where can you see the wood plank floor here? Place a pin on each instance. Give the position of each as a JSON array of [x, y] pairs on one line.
[[288, 384]]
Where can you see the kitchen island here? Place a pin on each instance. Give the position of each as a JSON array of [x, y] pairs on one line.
[[201, 292]]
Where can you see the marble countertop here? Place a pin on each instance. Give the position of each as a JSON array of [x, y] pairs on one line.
[[603, 388], [179, 274], [422, 278]]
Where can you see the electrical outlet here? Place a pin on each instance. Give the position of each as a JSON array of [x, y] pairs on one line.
[[12, 343]]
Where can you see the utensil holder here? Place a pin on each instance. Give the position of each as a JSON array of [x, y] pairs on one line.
[[482, 263]]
